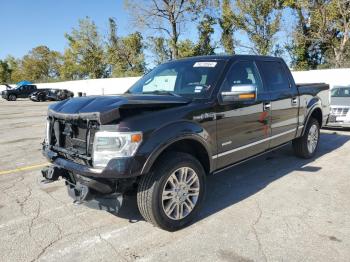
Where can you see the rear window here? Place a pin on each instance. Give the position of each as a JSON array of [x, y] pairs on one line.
[[340, 92], [274, 75]]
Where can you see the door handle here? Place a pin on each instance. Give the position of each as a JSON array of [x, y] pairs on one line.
[[294, 101], [266, 106]]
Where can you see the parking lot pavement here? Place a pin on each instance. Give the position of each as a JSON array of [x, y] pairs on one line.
[[273, 208]]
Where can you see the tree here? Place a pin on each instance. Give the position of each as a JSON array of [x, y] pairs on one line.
[[41, 64], [166, 16], [227, 26], [159, 46], [187, 48], [15, 69], [86, 50], [306, 52], [5, 72], [71, 69], [260, 20], [331, 21], [205, 29], [125, 54]]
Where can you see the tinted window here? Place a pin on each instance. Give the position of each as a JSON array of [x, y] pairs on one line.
[[241, 73], [273, 75], [341, 92]]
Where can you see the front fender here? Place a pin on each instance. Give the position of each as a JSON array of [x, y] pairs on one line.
[[163, 137]]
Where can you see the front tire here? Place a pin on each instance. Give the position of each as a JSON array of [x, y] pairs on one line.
[[170, 196], [306, 145]]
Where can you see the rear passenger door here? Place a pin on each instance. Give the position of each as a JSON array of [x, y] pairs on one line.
[[284, 101]]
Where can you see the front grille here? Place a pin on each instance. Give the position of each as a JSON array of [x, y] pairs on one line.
[[73, 139], [340, 111]]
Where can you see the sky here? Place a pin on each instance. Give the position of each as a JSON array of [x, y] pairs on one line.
[[25, 24]]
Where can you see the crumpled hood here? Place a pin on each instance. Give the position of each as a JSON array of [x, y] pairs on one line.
[[105, 109]]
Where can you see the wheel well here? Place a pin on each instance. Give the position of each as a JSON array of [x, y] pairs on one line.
[[317, 114], [192, 147]]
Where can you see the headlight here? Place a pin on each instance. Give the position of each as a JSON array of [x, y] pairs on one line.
[[108, 145]]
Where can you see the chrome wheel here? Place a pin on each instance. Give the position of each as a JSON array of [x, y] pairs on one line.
[[312, 139], [180, 193]]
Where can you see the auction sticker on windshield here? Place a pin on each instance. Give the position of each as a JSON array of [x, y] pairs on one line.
[[205, 64]]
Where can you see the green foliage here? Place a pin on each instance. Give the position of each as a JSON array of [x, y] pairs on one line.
[[86, 49], [205, 29], [159, 46], [187, 49], [260, 20], [41, 64], [125, 54], [227, 26], [5, 72]]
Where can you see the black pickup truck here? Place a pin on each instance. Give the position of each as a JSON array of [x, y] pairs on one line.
[[22, 91], [182, 121]]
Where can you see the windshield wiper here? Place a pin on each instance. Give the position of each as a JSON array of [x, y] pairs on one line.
[[162, 92]]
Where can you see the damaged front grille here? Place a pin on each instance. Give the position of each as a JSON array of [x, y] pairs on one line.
[[73, 140]]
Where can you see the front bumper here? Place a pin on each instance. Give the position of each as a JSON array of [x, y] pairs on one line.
[[116, 168], [335, 121]]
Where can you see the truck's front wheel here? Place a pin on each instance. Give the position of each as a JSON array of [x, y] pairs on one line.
[[171, 195]]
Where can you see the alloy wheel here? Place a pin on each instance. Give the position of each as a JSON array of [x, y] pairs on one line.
[[180, 193]]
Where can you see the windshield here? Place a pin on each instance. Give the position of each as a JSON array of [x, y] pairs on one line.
[[194, 79], [341, 92]]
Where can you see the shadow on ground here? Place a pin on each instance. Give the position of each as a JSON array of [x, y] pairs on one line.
[[242, 181]]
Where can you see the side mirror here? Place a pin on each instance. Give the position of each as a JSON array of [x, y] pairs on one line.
[[240, 93]]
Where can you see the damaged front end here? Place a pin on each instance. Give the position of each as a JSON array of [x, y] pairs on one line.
[[69, 146]]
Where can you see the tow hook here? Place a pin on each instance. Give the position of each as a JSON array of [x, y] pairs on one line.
[[52, 173]]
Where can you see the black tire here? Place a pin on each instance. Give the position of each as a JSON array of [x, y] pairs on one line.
[[150, 189], [12, 98], [300, 145]]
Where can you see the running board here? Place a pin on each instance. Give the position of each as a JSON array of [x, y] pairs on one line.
[[249, 158]]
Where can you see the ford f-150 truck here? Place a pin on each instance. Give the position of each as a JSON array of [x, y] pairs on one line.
[[180, 122]]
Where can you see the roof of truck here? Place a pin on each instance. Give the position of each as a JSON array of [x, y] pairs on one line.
[[227, 57]]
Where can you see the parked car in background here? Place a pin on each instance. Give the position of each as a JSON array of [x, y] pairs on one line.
[[340, 107], [180, 122], [50, 95], [22, 91]]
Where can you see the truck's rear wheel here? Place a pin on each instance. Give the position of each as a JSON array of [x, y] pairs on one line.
[[171, 195], [306, 145]]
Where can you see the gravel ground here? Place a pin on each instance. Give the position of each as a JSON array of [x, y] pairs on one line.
[[273, 208]]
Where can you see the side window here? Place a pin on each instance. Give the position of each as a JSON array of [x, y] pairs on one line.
[[242, 73], [273, 74]]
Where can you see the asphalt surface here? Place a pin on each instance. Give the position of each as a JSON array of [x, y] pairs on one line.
[[273, 208]]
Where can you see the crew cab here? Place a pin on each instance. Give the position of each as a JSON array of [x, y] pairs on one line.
[[184, 120], [22, 91]]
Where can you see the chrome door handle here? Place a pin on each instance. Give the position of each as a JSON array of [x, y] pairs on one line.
[[267, 106], [294, 101]]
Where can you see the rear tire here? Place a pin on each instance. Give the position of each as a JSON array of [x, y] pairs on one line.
[[170, 196], [306, 145], [12, 98]]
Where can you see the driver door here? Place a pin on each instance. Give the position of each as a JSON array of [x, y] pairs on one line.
[[243, 127]]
